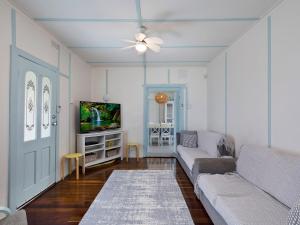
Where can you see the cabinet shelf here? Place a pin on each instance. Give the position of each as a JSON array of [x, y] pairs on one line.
[[112, 147], [93, 145], [113, 139], [94, 150], [97, 147]]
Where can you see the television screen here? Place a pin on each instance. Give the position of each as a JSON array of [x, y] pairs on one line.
[[96, 116]]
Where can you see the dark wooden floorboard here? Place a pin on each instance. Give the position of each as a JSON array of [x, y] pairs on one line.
[[66, 202]]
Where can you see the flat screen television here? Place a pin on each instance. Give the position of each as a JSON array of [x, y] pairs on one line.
[[97, 116]]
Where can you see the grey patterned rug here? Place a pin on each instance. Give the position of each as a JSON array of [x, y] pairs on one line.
[[139, 197]]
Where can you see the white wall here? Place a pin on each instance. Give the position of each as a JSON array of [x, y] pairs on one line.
[[247, 83], [216, 95], [125, 86], [4, 98], [33, 39]]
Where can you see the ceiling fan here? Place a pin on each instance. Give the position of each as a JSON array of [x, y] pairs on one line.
[[142, 43]]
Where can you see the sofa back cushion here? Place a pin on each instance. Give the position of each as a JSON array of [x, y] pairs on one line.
[[208, 142], [275, 171]]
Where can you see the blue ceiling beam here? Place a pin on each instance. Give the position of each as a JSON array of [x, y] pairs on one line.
[[195, 46], [147, 62], [140, 21], [87, 20], [170, 46], [233, 19], [139, 12]]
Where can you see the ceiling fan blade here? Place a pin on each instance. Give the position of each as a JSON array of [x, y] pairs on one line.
[[140, 36], [153, 47], [128, 47], [129, 41], [154, 40]]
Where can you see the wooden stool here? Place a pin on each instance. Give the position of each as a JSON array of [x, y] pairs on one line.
[[71, 156], [132, 145]]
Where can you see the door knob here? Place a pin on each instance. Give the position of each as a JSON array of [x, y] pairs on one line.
[[54, 123]]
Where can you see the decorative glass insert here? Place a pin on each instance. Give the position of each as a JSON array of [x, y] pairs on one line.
[[46, 108], [30, 106]]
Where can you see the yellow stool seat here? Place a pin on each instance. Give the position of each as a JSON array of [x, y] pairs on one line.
[[134, 146], [71, 156]]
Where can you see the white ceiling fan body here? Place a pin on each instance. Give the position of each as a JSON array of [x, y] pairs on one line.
[[142, 43]]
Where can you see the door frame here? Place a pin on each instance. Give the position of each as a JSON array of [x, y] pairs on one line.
[[12, 168], [163, 87]]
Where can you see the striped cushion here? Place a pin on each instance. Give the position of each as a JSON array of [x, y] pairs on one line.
[[294, 214], [189, 140]]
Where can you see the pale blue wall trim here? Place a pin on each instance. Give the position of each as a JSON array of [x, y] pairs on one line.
[[13, 28], [169, 78], [64, 75], [226, 94], [160, 86], [145, 133], [58, 60], [195, 46], [106, 81], [95, 47], [139, 12], [145, 74], [144, 58], [57, 172], [12, 131], [168, 46], [109, 62], [69, 96], [141, 62], [108, 20], [269, 81], [35, 60], [233, 19], [80, 20]]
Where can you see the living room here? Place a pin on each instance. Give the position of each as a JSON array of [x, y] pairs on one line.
[[149, 112]]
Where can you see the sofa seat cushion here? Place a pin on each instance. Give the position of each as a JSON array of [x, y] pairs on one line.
[[227, 184], [190, 154], [240, 202]]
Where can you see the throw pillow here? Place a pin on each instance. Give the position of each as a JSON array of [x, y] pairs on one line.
[[189, 141], [187, 132], [294, 214]]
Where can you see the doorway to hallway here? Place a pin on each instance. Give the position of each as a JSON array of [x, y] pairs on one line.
[[164, 108]]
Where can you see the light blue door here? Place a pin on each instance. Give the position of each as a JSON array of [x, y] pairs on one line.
[[35, 105]]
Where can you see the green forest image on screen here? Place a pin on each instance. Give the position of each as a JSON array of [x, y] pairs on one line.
[[99, 116]]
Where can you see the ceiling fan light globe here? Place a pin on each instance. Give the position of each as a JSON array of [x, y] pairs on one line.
[[141, 47]]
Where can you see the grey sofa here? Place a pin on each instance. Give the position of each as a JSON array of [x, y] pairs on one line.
[[209, 146], [17, 218], [262, 190]]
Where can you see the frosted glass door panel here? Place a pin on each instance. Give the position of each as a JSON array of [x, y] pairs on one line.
[[30, 106], [46, 108]]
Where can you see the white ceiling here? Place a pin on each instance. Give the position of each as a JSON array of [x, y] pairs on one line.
[[194, 31]]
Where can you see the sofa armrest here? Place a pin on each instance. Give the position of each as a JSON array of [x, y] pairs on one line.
[[213, 166], [18, 218]]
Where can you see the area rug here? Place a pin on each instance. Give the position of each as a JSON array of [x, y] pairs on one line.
[[139, 197]]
